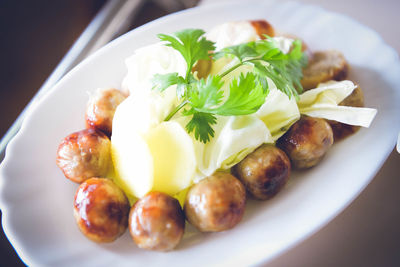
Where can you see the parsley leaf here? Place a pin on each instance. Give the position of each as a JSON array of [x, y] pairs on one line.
[[201, 125], [246, 96], [241, 52], [285, 70], [190, 45], [163, 81], [204, 95], [247, 93]]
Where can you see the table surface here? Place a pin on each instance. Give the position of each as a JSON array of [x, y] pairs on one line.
[[366, 233]]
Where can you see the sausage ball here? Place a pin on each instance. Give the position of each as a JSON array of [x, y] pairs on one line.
[[342, 130], [216, 203], [84, 154], [307, 141], [262, 28], [101, 210], [264, 172], [157, 222], [101, 108], [324, 66]]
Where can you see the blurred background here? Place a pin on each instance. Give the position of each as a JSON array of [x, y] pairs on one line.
[[36, 35]]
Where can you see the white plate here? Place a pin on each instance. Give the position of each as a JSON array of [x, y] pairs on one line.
[[36, 200]]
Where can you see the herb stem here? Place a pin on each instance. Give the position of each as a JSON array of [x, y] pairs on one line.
[[172, 113], [237, 66], [231, 69]]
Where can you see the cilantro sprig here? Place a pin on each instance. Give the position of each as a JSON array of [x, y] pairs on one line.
[[190, 45], [285, 70], [203, 99]]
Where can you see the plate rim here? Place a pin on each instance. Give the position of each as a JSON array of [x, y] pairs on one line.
[[10, 151]]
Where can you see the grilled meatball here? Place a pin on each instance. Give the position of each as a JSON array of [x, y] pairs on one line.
[[101, 108], [216, 203], [157, 222], [264, 172], [307, 141], [324, 66], [342, 130], [84, 154], [101, 210], [262, 28]]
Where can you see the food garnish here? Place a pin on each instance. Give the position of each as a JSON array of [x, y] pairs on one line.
[[247, 92]]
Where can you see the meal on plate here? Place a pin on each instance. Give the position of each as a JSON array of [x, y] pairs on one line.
[[203, 121]]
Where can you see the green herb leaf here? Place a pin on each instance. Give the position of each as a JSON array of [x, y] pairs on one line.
[[190, 45], [163, 81], [206, 94], [285, 70], [201, 125], [247, 93], [241, 51]]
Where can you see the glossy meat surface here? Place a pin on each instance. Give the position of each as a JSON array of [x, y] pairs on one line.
[[264, 172], [101, 108], [84, 154], [157, 222], [216, 203], [307, 141], [101, 210]]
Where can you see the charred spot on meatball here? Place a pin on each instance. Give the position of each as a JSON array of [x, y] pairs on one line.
[[101, 210], [307, 141], [264, 172], [84, 154], [157, 222], [216, 203]]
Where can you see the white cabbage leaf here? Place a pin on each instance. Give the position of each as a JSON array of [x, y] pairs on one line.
[[148, 61], [278, 112], [323, 102], [234, 138]]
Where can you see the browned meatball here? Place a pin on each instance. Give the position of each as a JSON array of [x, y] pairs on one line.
[[264, 172], [342, 130], [101, 210], [216, 203], [157, 222], [307, 141], [101, 108], [84, 154], [324, 66], [262, 28]]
